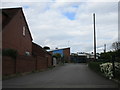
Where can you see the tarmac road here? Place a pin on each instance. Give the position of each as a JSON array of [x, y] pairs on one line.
[[67, 76]]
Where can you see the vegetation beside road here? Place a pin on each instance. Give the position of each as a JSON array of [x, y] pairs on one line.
[[95, 66], [108, 64], [106, 69], [10, 52]]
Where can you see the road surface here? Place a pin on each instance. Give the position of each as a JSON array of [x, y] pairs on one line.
[[67, 76]]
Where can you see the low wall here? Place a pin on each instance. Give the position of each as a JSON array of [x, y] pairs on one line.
[[49, 59], [41, 63], [24, 64], [8, 65]]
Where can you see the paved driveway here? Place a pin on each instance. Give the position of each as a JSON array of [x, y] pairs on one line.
[[67, 76]]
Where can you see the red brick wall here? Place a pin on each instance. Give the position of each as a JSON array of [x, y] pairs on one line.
[[67, 54], [25, 64], [8, 65], [37, 50], [12, 35], [41, 63], [49, 59]]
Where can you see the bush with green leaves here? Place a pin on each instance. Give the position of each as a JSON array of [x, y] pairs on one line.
[[107, 69], [117, 70], [95, 66], [10, 52]]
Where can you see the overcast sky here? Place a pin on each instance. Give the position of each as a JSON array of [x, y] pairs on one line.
[[70, 24]]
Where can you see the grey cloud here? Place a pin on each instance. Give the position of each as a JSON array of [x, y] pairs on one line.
[[49, 27]]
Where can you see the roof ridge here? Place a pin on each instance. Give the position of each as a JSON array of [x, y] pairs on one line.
[[11, 8]]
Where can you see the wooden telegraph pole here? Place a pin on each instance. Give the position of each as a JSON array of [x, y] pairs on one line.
[[94, 38], [104, 48]]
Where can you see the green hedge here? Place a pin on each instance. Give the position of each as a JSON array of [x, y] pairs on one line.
[[117, 74], [95, 66], [10, 52]]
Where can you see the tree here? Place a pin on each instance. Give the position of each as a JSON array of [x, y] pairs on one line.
[[106, 56], [57, 55], [46, 48], [116, 45]]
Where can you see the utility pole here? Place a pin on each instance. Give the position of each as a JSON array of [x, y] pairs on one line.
[[94, 38], [104, 48]]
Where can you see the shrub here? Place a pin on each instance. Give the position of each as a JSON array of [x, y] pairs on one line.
[[10, 52], [95, 66], [107, 69], [117, 70], [117, 74]]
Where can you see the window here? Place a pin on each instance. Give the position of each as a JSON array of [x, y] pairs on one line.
[[27, 53], [23, 30]]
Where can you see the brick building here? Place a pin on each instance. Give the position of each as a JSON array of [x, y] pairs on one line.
[[39, 51], [16, 35], [65, 53], [15, 31]]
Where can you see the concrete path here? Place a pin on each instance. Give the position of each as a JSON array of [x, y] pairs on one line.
[[67, 76]]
